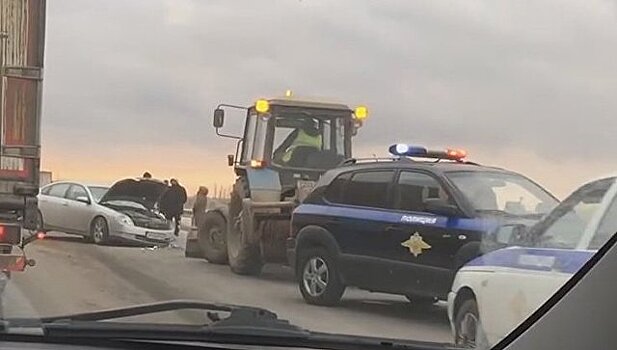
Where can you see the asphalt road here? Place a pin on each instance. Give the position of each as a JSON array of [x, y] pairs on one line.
[[73, 276]]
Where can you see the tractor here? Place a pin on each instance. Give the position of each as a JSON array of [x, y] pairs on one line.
[[286, 146]]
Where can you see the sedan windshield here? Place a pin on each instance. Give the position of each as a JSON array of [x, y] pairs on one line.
[[565, 227], [500, 192], [98, 192]]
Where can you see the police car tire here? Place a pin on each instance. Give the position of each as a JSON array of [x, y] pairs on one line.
[[215, 255], [335, 287]]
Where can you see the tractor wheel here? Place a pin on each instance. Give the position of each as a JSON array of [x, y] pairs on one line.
[[244, 258], [211, 237]]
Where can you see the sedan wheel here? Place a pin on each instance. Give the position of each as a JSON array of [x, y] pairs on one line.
[[99, 231], [469, 332]]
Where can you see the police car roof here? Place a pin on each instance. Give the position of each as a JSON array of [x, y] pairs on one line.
[[432, 166]]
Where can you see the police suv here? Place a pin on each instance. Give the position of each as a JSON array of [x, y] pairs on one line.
[[403, 225], [494, 293]]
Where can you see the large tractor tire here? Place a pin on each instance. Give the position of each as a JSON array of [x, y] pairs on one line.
[[212, 238], [244, 258]]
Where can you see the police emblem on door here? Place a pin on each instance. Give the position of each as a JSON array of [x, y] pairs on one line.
[[415, 244]]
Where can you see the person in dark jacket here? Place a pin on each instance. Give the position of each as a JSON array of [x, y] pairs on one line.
[[200, 206], [172, 203]]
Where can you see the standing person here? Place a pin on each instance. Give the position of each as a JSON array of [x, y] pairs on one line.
[[172, 203], [200, 206]]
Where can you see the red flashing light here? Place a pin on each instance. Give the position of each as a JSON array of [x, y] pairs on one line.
[[1, 231], [40, 235], [456, 153]]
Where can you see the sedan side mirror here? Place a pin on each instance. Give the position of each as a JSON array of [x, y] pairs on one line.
[[83, 199], [440, 207], [219, 118]]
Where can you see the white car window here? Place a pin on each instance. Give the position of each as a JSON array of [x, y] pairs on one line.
[[607, 227], [76, 191], [570, 220], [58, 190]]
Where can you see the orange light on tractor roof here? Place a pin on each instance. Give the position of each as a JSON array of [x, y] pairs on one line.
[[255, 163], [361, 112], [262, 106]]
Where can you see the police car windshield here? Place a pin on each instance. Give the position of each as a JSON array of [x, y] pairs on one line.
[[501, 192]]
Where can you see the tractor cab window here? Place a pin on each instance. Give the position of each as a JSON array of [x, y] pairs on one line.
[[255, 136], [302, 141]]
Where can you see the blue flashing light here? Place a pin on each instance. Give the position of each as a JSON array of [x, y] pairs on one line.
[[405, 150], [402, 149]]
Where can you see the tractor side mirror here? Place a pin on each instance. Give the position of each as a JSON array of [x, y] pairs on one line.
[[230, 160], [219, 118]]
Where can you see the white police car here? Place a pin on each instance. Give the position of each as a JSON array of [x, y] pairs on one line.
[[494, 293]]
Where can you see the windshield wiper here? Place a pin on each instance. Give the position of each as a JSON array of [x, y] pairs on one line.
[[241, 319], [244, 325]]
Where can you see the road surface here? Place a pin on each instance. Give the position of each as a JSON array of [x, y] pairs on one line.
[[73, 276]]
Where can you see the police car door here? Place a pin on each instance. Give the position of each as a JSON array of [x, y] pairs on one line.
[[419, 240], [363, 214]]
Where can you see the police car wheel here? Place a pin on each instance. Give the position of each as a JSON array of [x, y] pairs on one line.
[[468, 328], [318, 278]]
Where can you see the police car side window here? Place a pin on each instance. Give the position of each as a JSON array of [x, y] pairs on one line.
[[334, 192], [412, 189], [368, 189]]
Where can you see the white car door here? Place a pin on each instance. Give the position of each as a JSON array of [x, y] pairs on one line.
[[80, 209], [53, 205]]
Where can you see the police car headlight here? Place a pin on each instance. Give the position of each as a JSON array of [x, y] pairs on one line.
[[125, 220]]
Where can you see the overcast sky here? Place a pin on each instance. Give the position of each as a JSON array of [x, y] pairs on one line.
[[131, 85]]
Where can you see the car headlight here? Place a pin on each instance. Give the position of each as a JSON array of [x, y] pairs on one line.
[[126, 220]]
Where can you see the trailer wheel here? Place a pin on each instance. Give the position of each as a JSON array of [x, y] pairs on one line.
[[212, 238], [244, 258]]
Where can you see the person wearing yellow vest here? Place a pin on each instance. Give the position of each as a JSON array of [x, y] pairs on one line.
[[306, 136]]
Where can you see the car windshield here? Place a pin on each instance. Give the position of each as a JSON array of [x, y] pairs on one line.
[[566, 226], [395, 170], [98, 192], [503, 192]]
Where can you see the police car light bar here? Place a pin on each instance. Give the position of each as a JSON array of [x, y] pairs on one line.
[[406, 150]]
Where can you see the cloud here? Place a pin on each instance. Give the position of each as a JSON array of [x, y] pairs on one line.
[[536, 76]]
